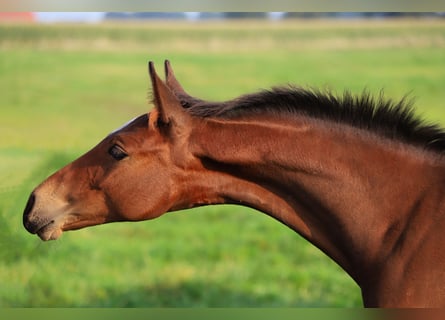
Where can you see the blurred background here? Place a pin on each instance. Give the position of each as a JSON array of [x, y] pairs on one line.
[[68, 79]]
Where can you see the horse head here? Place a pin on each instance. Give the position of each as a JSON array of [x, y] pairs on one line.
[[135, 173]]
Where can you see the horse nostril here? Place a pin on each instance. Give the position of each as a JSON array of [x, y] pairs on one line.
[[28, 208]]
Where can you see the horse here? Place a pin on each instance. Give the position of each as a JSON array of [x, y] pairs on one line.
[[360, 177]]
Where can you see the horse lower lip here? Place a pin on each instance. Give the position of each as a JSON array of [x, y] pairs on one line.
[[42, 228]]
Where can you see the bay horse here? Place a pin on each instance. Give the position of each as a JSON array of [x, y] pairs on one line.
[[361, 178]]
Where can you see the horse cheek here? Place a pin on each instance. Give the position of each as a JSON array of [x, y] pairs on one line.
[[142, 197]]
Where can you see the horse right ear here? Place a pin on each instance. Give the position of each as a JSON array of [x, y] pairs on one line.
[[171, 81], [174, 85], [168, 107]]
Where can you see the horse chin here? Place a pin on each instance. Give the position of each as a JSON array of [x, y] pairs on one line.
[[50, 232]]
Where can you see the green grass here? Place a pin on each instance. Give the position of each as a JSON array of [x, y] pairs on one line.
[[65, 87]]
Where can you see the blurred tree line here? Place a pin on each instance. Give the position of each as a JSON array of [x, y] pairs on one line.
[[266, 15]]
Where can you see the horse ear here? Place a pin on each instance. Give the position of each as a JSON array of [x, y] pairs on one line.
[[174, 85], [171, 81], [167, 105]]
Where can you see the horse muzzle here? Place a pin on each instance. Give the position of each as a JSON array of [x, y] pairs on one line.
[[36, 221]]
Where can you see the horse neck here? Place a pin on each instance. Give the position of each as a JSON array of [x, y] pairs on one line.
[[343, 190]]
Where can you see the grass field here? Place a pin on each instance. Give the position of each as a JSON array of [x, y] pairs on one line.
[[64, 87]]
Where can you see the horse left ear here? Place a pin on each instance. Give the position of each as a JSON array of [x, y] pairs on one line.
[[168, 107]]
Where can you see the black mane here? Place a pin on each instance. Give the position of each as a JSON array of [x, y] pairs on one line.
[[387, 118]]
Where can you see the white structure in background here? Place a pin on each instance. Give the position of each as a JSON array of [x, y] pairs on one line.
[[52, 17], [192, 16], [276, 15]]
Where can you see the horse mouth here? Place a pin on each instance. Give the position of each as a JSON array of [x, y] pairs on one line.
[[49, 231]]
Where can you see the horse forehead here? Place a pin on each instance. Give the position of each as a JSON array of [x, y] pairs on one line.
[[122, 127]]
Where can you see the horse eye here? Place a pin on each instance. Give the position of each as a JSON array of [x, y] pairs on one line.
[[117, 152]]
